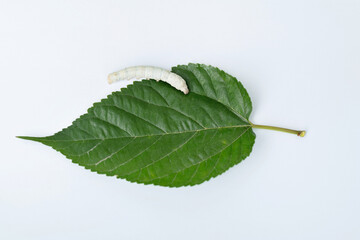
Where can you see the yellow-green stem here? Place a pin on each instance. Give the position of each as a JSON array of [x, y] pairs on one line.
[[300, 133]]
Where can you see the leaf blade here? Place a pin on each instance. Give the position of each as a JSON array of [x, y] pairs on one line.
[[151, 133]]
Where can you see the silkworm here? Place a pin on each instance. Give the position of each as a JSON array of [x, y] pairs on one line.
[[148, 72]]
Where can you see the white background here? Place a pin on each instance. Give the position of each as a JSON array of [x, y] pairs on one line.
[[299, 61]]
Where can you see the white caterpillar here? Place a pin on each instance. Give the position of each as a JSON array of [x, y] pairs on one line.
[[149, 72]]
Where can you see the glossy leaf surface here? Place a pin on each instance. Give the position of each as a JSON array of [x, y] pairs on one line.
[[152, 133]]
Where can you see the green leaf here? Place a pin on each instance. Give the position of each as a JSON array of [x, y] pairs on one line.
[[152, 133]]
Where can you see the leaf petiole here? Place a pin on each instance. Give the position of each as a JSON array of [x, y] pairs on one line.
[[300, 133]]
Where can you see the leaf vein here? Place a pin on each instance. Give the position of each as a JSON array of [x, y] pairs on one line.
[[136, 116], [136, 155], [204, 160], [167, 108], [152, 163], [150, 135], [112, 154]]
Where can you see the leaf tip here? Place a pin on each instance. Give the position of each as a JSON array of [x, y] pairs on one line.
[[37, 139]]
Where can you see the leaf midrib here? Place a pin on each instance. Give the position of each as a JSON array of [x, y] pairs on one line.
[[192, 131]]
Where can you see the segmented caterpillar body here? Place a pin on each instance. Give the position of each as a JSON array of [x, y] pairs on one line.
[[148, 72]]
